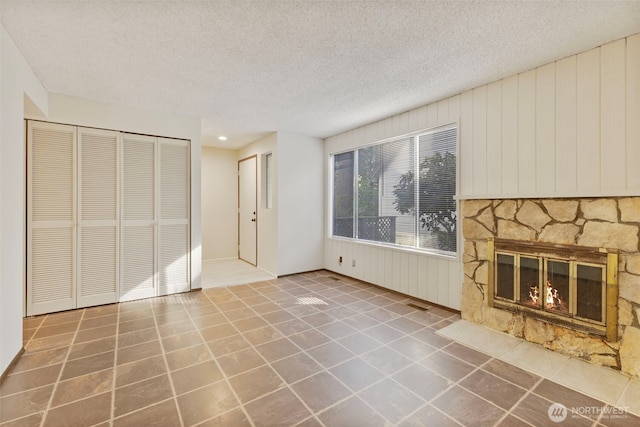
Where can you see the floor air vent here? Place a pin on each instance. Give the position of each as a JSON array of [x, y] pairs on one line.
[[412, 305]]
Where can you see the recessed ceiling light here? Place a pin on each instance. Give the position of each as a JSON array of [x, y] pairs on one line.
[[222, 138]]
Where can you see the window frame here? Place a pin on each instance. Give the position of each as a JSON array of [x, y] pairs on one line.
[[415, 248]]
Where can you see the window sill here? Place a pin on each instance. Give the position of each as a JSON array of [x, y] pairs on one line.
[[395, 248]]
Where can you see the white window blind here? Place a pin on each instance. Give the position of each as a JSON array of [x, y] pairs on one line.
[[399, 192]]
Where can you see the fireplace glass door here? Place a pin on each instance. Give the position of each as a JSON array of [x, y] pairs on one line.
[[590, 292], [556, 287], [563, 287]]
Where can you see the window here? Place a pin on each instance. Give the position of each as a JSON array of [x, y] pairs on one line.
[[268, 180], [400, 191]]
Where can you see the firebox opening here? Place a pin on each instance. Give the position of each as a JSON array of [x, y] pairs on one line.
[[561, 284]]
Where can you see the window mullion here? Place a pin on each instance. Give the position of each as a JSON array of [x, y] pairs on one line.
[[416, 180], [355, 193]]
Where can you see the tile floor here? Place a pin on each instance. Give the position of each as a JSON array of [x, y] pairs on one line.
[[311, 349]]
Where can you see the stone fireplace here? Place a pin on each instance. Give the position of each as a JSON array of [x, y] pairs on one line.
[[562, 273]]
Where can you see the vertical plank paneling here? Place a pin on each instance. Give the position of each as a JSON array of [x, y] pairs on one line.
[[613, 120], [375, 268], [480, 140], [443, 111], [432, 281], [509, 158], [633, 112], [360, 136], [369, 272], [432, 115], [455, 287], [527, 132], [388, 269], [404, 272], [413, 275], [347, 252], [423, 277], [443, 282], [397, 270], [347, 142], [381, 267], [465, 174], [566, 108], [396, 125], [413, 120], [372, 133], [387, 128], [403, 124], [545, 129], [423, 117], [454, 108], [494, 138], [357, 255], [588, 121]]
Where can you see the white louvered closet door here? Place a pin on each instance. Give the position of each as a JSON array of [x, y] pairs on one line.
[[51, 231], [97, 217], [138, 254], [173, 233]]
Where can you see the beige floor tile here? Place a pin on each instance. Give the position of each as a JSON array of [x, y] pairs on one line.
[[630, 397], [206, 403], [596, 381], [535, 359], [85, 412], [81, 387], [255, 383], [195, 376], [144, 393]]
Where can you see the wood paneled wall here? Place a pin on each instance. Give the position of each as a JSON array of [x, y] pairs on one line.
[[570, 128]]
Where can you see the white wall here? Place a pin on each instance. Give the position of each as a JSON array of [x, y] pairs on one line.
[[267, 218], [219, 203], [83, 112], [565, 129], [300, 203], [16, 81]]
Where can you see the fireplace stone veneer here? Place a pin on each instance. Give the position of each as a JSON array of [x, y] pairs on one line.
[[609, 223]]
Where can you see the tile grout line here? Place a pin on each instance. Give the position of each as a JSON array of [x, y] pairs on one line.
[[166, 364], [237, 297], [353, 394], [64, 364], [286, 335], [253, 347], [286, 385], [116, 347], [215, 360]]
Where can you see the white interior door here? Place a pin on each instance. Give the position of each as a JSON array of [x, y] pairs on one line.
[[97, 274], [247, 210], [173, 228], [138, 254], [51, 222]]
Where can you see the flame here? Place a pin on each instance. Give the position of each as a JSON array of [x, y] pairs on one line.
[[553, 299]]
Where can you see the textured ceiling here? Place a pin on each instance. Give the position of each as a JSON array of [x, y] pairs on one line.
[[311, 67]]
